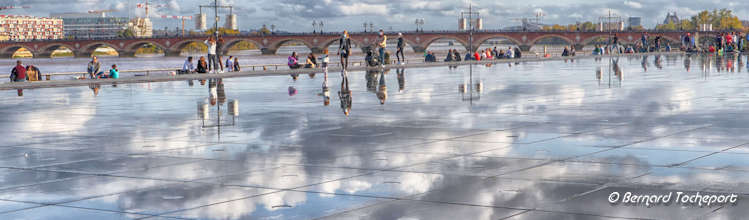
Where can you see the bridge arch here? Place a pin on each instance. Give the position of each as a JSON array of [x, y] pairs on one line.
[[551, 36], [486, 38], [89, 49], [181, 45], [274, 46], [429, 42], [130, 49], [9, 51], [231, 43], [47, 51]]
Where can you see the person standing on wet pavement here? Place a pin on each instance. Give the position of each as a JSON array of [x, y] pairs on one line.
[[381, 45], [344, 49], [213, 61]]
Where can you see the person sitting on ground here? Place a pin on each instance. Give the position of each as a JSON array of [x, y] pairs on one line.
[[371, 59], [572, 51], [509, 53], [33, 73], [236, 64], [711, 49], [94, 68], [489, 54], [202, 66], [565, 52], [324, 59], [476, 56], [430, 57], [114, 73], [456, 55], [501, 54], [449, 57], [517, 53], [313, 58], [294, 61], [310, 62], [468, 56], [483, 54], [18, 73], [230, 64], [187, 67]]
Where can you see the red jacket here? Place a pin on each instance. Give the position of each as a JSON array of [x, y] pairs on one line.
[[20, 72], [477, 56]]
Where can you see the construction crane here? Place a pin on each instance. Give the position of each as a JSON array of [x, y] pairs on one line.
[[183, 18], [12, 7], [143, 5]]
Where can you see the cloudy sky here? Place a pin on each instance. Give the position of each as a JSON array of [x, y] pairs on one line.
[[297, 15]]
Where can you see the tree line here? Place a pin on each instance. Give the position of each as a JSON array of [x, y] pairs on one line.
[[721, 20]]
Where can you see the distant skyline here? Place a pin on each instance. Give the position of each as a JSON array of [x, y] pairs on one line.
[[398, 15]]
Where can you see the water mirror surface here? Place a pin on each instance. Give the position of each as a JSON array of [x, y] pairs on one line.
[[529, 140]]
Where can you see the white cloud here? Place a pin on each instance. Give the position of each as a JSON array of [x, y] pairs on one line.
[[633, 4], [363, 9]]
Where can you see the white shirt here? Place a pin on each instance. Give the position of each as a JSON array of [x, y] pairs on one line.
[[211, 47]]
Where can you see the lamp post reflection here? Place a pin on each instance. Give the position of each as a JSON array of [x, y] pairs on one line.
[[616, 70], [471, 90], [217, 97]]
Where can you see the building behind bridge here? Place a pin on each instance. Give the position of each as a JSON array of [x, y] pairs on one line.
[[23, 28], [87, 26]]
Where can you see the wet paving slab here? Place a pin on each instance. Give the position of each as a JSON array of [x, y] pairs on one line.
[[532, 140]]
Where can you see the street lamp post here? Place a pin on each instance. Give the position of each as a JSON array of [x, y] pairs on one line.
[[371, 27], [314, 26], [321, 27], [216, 19], [471, 24]]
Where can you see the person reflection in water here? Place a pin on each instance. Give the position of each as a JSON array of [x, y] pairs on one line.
[[401, 79], [687, 62], [212, 91], [95, 88], [325, 89], [617, 70], [371, 78], [345, 94], [382, 90], [644, 63], [220, 91], [658, 62]]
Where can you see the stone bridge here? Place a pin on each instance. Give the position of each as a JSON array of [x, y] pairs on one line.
[[269, 44]]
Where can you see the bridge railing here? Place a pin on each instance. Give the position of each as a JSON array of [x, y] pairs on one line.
[[339, 33]]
